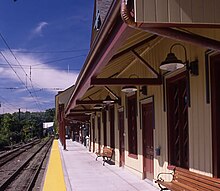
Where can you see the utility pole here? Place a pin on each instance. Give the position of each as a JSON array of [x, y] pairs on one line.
[[19, 114], [30, 72]]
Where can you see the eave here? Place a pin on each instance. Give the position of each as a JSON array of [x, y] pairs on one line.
[[111, 36], [108, 46]]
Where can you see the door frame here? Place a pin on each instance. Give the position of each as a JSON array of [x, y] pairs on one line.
[[99, 132], [169, 80], [104, 123], [215, 115], [121, 163], [112, 125], [93, 134], [147, 100]]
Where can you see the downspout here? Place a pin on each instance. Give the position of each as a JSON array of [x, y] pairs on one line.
[[168, 32]]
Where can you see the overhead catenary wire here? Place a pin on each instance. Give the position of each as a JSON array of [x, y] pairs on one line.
[[44, 68], [60, 59], [21, 80], [50, 61], [40, 89], [5, 101], [8, 108], [5, 106], [33, 96], [31, 90], [50, 52]]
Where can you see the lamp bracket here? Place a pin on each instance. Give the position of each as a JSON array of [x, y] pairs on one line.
[[143, 90], [178, 44], [193, 67]]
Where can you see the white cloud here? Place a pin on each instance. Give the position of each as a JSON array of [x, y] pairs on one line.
[[1, 70], [42, 75], [39, 28]]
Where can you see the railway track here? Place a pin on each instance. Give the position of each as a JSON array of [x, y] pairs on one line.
[[21, 173], [7, 156]]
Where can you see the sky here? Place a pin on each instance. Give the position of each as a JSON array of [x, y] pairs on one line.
[[43, 46]]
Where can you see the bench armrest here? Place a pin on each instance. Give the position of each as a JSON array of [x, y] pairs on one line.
[[169, 167], [159, 178]]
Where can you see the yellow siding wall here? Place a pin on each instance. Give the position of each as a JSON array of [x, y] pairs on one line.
[[177, 11], [200, 141], [200, 151]]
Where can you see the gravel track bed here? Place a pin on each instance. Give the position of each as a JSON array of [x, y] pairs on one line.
[[25, 177], [7, 169]]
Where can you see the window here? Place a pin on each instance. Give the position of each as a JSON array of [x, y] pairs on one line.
[[98, 23], [132, 124]]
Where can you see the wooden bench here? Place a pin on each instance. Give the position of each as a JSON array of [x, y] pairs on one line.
[[106, 153], [185, 180]]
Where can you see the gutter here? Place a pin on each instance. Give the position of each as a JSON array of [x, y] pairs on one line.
[[168, 32]]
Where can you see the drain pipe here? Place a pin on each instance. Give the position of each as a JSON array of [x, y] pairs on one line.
[[168, 32]]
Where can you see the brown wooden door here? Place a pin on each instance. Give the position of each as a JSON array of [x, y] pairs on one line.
[[112, 127], [93, 134], [104, 127], [121, 137], [215, 103], [148, 141], [99, 134], [177, 113], [132, 126]]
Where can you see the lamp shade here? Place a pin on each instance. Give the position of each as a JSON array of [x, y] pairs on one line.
[[97, 106], [129, 89], [108, 100], [171, 63], [88, 113]]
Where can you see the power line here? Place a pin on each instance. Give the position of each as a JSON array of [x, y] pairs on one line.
[[4, 106], [37, 90], [12, 88], [35, 97], [51, 61], [54, 89], [50, 52], [40, 68], [6, 101], [20, 79], [60, 59]]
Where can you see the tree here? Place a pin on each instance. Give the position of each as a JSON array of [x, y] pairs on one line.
[[22, 126], [49, 115]]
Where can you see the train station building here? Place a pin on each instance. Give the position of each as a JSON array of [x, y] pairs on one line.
[[149, 87]]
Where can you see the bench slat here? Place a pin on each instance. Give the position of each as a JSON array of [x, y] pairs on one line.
[[185, 180], [199, 186], [196, 179], [106, 154], [210, 179], [177, 186]]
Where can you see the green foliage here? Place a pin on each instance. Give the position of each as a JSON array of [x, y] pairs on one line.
[[22, 126], [3, 141]]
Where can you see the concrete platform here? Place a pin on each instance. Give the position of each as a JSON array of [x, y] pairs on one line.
[[83, 173]]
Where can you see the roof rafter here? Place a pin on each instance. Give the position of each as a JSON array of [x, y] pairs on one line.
[[125, 81], [78, 102]]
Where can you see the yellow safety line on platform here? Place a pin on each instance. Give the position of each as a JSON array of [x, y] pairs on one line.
[[54, 180]]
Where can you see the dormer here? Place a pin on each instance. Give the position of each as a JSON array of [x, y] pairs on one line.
[[101, 9]]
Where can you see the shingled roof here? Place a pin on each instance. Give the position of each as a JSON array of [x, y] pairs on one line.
[[101, 9]]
